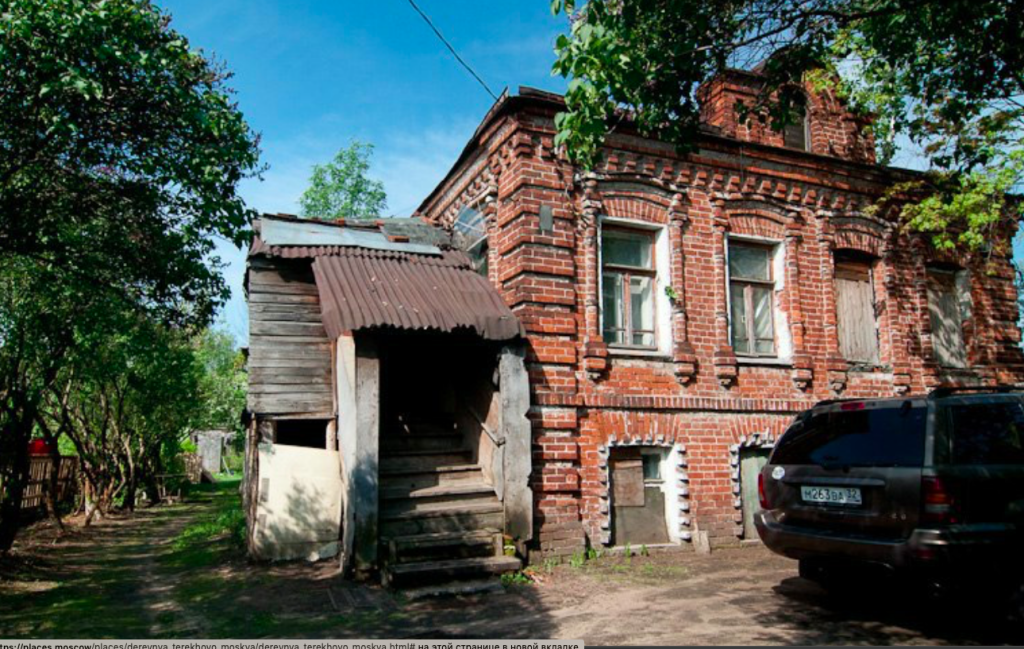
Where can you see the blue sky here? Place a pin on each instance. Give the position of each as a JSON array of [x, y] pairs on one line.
[[311, 75]]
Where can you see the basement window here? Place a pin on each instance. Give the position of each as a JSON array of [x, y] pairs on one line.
[[307, 433]]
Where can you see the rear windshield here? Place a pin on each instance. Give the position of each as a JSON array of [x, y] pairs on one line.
[[987, 433], [870, 437]]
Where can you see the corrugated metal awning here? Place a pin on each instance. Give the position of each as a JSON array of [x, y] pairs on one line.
[[364, 289], [398, 273]]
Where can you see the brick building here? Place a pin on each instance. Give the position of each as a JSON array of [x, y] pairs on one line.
[[681, 309]]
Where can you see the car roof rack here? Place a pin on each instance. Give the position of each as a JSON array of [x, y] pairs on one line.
[[946, 391]]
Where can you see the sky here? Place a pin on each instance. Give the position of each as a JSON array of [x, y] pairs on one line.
[[310, 76]]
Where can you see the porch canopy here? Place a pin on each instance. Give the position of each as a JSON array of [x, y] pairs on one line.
[[388, 273]]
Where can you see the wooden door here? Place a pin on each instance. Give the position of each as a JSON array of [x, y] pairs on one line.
[[752, 460]]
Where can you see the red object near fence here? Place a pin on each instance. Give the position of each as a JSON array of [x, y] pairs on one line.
[[39, 446]]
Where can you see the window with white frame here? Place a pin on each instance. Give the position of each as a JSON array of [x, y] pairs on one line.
[[751, 299], [628, 284]]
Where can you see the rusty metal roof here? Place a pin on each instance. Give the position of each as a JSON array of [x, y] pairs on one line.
[[400, 287]]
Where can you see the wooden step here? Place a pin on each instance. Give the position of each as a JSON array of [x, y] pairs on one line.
[[454, 589], [435, 492], [403, 441], [445, 455], [392, 508], [445, 545], [427, 572], [424, 462], [441, 474], [463, 518]]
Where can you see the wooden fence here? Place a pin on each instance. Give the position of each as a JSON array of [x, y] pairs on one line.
[[39, 470]]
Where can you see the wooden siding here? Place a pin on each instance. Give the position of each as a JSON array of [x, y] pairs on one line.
[[289, 351]]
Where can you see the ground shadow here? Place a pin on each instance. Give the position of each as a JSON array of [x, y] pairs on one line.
[[134, 577], [880, 611]]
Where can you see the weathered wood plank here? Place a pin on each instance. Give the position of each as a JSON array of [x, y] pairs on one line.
[[302, 329], [312, 363], [293, 402], [272, 307], [288, 375], [285, 316], [272, 340], [280, 276], [291, 351], [294, 288], [281, 298], [311, 389]]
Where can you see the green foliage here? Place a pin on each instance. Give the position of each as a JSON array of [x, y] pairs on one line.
[[123, 151], [223, 383], [341, 189], [578, 559], [517, 578], [944, 77]]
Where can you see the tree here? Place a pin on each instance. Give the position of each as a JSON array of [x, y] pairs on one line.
[[223, 381], [123, 399], [341, 189], [947, 76], [121, 152]]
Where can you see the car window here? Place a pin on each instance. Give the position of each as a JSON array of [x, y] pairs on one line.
[[987, 433], [868, 437]]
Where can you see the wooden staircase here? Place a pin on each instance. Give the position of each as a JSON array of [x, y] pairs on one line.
[[440, 522]]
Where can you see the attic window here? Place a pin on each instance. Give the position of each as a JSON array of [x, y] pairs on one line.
[[471, 235], [795, 135]]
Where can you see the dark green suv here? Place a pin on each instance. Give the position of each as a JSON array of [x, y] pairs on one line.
[[931, 487]]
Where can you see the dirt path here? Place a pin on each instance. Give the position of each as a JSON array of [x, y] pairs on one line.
[[137, 578]]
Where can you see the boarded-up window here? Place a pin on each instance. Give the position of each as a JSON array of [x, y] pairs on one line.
[[627, 468], [946, 319], [855, 312]]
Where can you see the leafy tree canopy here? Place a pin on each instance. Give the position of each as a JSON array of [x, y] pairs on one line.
[[121, 151], [341, 189], [945, 77]]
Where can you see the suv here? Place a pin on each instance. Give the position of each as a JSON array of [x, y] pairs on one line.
[[931, 487]]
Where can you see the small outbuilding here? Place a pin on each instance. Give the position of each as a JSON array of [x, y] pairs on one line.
[[388, 395]]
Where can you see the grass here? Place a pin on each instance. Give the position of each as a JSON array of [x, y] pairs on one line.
[[205, 542]]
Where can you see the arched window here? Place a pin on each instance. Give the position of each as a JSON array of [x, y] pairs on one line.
[[796, 134]]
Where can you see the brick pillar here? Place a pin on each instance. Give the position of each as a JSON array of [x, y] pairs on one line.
[[725, 358], [682, 351], [835, 364]]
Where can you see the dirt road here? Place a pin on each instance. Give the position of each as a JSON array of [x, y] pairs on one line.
[[157, 575]]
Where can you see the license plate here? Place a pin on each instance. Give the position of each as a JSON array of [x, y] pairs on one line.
[[831, 495]]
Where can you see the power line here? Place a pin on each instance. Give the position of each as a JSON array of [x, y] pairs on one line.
[[452, 50]]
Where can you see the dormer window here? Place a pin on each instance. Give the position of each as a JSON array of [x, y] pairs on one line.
[[795, 135]]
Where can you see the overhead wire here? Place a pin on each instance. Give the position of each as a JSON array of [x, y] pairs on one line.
[[452, 50]]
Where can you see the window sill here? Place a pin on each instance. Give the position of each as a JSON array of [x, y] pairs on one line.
[[626, 352], [766, 361]]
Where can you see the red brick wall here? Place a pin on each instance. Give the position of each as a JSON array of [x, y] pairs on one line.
[[834, 130], [696, 395]]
